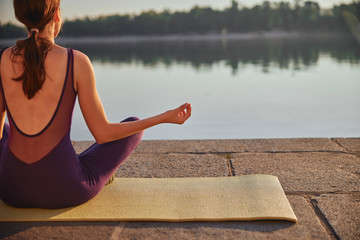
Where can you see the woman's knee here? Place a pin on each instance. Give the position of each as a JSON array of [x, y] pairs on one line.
[[5, 133], [130, 119]]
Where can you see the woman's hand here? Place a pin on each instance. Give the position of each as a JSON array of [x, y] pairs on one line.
[[94, 114], [178, 115]]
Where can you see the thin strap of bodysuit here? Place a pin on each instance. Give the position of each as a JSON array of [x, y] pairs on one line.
[[1, 87], [54, 114], [31, 148]]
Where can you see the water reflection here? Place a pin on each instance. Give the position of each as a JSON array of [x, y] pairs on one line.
[[139, 78], [295, 54]]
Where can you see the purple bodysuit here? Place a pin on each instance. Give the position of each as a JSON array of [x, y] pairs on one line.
[[57, 176]]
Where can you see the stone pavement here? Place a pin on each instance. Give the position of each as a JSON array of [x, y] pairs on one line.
[[321, 178]]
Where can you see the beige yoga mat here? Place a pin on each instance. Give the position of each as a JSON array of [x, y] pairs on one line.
[[249, 197]]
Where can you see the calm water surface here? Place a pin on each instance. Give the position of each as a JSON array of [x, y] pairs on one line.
[[238, 89]]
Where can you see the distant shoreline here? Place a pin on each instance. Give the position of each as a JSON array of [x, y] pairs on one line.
[[270, 35]]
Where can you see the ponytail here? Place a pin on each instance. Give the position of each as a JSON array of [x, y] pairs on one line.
[[33, 50]]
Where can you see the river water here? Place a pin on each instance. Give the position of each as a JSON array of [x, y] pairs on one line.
[[244, 88]]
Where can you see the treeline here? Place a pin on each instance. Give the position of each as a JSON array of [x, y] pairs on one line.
[[297, 54], [9, 30], [296, 16]]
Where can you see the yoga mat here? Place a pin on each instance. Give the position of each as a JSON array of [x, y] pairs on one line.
[[248, 197]]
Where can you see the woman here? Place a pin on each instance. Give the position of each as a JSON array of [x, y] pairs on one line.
[[39, 84]]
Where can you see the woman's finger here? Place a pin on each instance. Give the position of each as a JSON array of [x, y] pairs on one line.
[[183, 106], [184, 112], [189, 110]]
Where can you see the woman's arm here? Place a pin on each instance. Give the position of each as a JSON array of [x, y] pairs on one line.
[[2, 111], [93, 111], [2, 117]]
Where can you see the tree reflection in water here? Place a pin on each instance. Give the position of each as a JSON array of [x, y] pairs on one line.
[[295, 54]]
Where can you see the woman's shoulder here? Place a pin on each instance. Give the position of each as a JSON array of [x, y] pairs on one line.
[[7, 50], [80, 56], [5, 57], [81, 61], [57, 49], [83, 69]]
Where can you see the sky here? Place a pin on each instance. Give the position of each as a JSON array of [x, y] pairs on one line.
[[80, 8]]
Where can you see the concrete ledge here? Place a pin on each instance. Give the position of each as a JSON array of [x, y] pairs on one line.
[[173, 165], [231, 145], [342, 212], [349, 144], [315, 172], [321, 178]]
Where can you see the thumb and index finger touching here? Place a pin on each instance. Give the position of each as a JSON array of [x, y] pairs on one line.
[[186, 108]]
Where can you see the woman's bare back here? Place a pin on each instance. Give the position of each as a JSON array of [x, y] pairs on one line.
[[32, 116]]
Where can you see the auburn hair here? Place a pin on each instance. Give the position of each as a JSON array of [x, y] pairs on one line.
[[33, 50]]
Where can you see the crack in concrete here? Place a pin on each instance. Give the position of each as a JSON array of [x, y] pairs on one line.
[[230, 165], [339, 145], [249, 152], [323, 220], [117, 231], [305, 151], [344, 148], [318, 193]]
